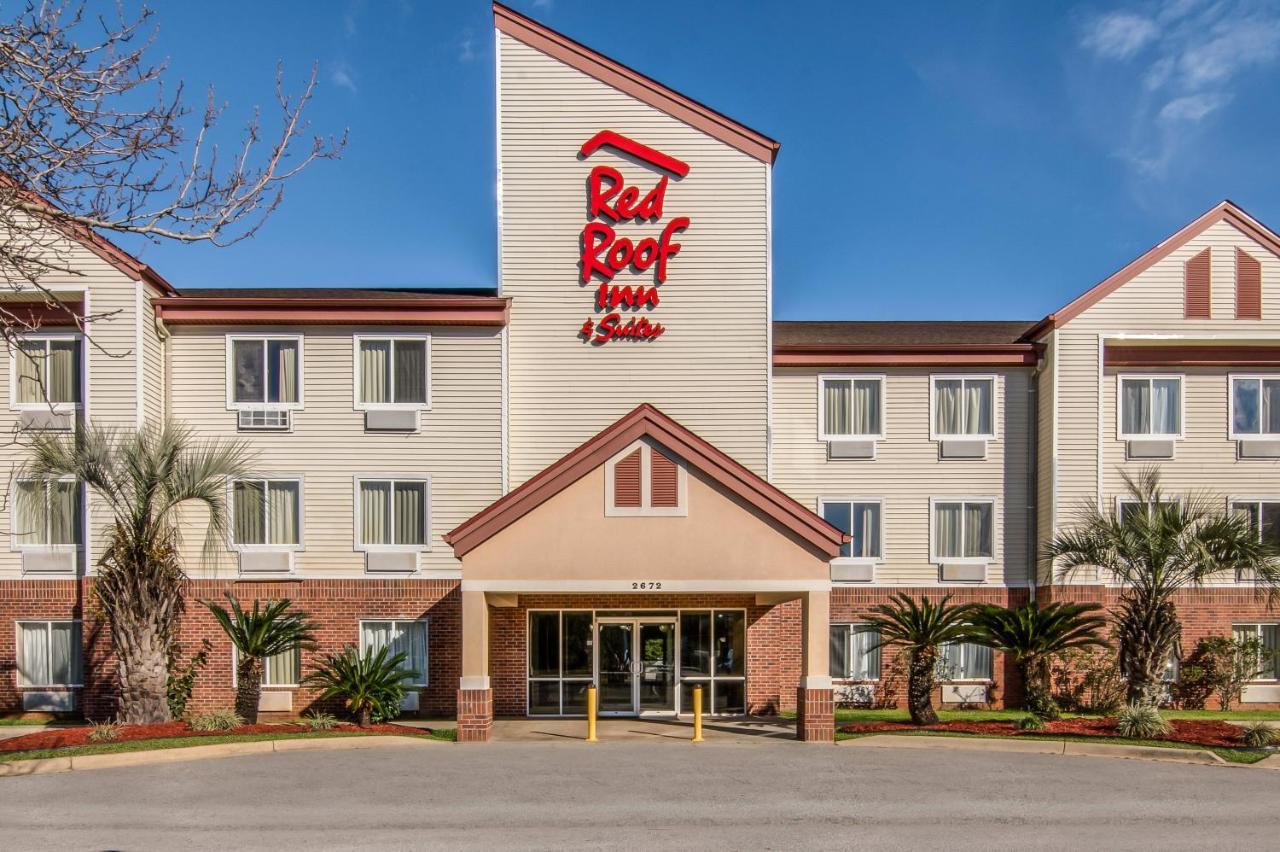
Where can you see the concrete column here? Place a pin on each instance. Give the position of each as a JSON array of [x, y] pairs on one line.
[[475, 697], [815, 701]]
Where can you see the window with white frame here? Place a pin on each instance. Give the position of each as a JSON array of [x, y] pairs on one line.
[[283, 669], [965, 661], [860, 519], [963, 407], [392, 372], [46, 371], [1269, 636], [1150, 406], [963, 530], [1255, 406], [266, 513], [855, 652], [392, 513], [850, 407], [1264, 518], [1127, 507], [46, 514], [401, 636], [49, 653], [264, 372]]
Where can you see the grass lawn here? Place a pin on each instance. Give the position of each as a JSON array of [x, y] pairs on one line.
[[1225, 715], [448, 734], [848, 716]]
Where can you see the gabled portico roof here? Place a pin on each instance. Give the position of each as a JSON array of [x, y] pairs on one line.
[[699, 455]]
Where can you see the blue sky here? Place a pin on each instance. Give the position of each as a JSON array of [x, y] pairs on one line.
[[939, 160]]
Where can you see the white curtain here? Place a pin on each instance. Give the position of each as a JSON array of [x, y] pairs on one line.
[[1137, 407], [947, 410], [375, 371], [409, 513], [977, 398], [411, 371], [249, 513], [947, 522], [1165, 406], [375, 512], [283, 669], [966, 661], [836, 402], [864, 657], [282, 356], [866, 407], [977, 533], [282, 512], [33, 665], [865, 530], [64, 653], [407, 637], [27, 521]]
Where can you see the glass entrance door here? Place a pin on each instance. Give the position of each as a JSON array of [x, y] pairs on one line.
[[636, 666]]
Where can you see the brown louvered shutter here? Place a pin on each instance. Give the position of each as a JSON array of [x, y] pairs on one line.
[[626, 481], [663, 487], [1248, 286], [1196, 286]]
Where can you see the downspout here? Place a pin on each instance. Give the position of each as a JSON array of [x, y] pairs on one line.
[[1033, 478]]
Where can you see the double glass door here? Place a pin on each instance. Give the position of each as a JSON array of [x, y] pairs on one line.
[[636, 665]]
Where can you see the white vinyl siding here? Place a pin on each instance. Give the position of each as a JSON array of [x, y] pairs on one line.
[[403, 636], [49, 653]]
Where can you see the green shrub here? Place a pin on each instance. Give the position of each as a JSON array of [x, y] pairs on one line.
[[216, 720], [1031, 722], [1259, 735], [104, 731], [1141, 722], [1088, 681], [371, 685], [318, 721], [182, 678]]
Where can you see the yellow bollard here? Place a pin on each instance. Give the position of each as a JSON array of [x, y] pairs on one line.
[[697, 714], [591, 714]]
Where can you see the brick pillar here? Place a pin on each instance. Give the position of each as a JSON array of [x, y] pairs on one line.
[[815, 715], [475, 715]]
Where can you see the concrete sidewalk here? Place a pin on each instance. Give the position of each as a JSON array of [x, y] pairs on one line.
[[741, 731]]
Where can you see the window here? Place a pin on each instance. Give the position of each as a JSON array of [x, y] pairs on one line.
[[855, 652], [1264, 518], [850, 407], [392, 514], [713, 655], [644, 480], [1255, 406], [46, 514], [283, 669], [1150, 406], [963, 407], [264, 372], [963, 530], [1269, 635], [1128, 508], [861, 520], [391, 372], [560, 662], [49, 653], [965, 661], [266, 512], [46, 371], [407, 637]]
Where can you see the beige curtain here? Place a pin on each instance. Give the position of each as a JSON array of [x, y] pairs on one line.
[[249, 523], [375, 512], [866, 407], [64, 519], [62, 376], [283, 355], [28, 525], [375, 372], [29, 359], [409, 513], [282, 513], [411, 371], [977, 532], [283, 669], [836, 401], [977, 398], [946, 401], [947, 529]]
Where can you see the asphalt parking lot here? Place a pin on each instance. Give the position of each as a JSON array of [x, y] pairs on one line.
[[757, 794]]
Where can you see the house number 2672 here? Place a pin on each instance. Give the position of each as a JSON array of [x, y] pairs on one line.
[[645, 586]]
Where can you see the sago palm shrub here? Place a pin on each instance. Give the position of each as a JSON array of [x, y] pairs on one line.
[[371, 685], [144, 479], [1032, 635], [1167, 545], [256, 635], [921, 629]]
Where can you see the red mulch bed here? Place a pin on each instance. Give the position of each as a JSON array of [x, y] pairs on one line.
[[1197, 732], [63, 737]]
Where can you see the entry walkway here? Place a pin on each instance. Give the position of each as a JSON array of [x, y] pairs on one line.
[[634, 730]]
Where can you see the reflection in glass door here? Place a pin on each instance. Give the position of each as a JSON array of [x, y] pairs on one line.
[[617, 683], [657, 667]]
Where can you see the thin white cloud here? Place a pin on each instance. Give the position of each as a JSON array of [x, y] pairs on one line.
[[1194, 108], [466, 47], [1233, 46], [1119, 35], [342, 76], [543, 5]]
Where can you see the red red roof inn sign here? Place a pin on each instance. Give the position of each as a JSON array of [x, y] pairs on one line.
[[610, 199]]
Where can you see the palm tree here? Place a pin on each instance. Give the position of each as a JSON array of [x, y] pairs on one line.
[[371, 685], [142, 478], [256, 635], [1032, 634], [1166, 546], [921, 629]]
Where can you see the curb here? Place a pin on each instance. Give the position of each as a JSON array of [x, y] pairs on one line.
[[48, 765], [1063, 747]]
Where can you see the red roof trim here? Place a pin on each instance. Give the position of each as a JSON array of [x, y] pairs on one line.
[[1227, 211], [450, 310], [936, 355], [647, 421], [646, 89], [1194, 355]]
